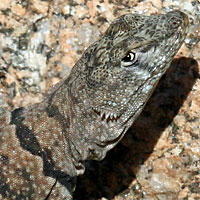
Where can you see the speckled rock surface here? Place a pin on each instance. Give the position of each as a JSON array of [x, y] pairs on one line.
[[159, 158]]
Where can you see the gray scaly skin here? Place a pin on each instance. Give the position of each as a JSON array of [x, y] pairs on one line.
[[42, 147]]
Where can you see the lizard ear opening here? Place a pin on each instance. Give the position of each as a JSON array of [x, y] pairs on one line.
[[129, 59]]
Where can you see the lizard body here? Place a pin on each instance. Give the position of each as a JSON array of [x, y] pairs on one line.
[[43, 146]]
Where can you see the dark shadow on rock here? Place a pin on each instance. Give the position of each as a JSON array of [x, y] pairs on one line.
[[114, 174]]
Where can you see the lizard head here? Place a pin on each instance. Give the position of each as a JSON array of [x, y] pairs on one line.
[[124, 66], [112, 82]]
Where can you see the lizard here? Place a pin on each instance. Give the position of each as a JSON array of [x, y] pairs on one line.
[[43, 146]]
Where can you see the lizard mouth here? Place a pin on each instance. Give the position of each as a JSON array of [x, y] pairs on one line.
[[107, 116]]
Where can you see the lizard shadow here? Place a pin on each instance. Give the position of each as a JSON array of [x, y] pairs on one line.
[[116, 172]]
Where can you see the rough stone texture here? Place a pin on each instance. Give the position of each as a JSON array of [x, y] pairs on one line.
[[160, 156]]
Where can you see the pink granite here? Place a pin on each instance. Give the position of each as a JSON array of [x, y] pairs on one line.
[[159, 158]]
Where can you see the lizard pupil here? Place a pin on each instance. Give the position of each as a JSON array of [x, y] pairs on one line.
[[129, 57]]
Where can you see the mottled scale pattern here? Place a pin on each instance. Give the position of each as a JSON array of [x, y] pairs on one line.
[[43, 146]]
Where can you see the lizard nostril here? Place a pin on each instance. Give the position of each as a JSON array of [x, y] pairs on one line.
[[176, 23]]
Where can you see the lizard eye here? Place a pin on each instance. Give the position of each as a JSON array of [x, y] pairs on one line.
[[129, 59]]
